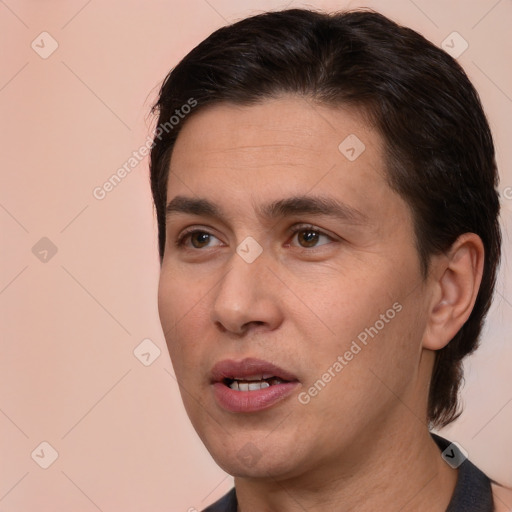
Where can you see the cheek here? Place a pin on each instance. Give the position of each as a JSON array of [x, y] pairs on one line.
[[178, 303], [167, 304], [347, 307], [381, 353], [367, 319]]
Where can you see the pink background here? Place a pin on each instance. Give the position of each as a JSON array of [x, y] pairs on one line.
[[70, 324]]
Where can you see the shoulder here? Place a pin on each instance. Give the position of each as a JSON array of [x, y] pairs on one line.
[[502, 497]]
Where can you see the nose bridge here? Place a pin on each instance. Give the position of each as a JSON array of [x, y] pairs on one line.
[[243, 295]]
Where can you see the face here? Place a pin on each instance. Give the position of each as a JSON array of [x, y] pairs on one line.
[[290, 294]]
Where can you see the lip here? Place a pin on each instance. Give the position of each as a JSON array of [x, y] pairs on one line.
[[250, 401], [229, 369]]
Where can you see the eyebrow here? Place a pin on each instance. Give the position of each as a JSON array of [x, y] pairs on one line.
[[296, 205]]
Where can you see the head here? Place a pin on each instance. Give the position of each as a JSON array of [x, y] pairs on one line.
[[268, 109]]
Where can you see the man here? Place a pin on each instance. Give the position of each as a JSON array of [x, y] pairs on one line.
[[325, 187]]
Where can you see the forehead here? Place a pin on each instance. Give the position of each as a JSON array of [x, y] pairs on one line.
[[294, 123], [277, 148], [289, 130]]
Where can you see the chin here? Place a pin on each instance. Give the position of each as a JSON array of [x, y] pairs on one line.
[[247, 460]]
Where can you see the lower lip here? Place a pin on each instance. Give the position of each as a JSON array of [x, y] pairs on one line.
[[251, 401]]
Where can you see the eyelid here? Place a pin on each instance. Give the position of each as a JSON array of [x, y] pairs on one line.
[[300, 227]]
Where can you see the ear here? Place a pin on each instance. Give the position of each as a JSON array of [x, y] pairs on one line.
[[456, 277]]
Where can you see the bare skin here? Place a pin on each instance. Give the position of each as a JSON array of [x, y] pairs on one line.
[[362, 442]]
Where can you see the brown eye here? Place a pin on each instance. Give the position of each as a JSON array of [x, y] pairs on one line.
[[308, 237], [199, 239]]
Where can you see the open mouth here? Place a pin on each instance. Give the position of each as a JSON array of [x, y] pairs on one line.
[[250, 385], [253, 383]]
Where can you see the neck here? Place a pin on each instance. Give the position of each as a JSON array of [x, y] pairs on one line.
[[388, 473]]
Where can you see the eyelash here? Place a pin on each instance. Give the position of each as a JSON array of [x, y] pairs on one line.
[[180, 242]]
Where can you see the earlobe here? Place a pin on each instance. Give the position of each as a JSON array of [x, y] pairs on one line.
[[459, 274]]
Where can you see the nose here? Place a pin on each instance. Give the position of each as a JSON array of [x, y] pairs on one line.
[[247, 297]]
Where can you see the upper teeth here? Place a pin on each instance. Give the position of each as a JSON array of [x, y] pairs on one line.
[[253, 384], [249, 386]]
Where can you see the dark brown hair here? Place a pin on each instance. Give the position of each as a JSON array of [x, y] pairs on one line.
[[439, 149]]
